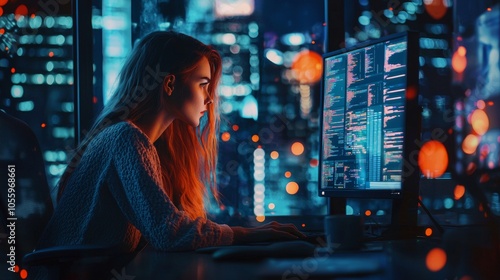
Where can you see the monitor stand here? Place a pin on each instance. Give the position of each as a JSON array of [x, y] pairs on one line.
[[403, 223]]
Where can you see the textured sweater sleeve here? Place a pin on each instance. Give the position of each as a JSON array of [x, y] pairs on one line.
[[148, 207]]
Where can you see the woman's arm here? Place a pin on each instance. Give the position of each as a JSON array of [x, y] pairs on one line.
[[146, 205]]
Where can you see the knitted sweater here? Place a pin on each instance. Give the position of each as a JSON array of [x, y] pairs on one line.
[[114, 197]]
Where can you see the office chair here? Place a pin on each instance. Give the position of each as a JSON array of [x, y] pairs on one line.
[[21, 160]]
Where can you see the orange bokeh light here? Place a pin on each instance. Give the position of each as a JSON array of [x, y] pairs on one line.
[[43, 125], [459, 62], [21, 10], [288, 174], [225, 136], [435, 8], [274, 155], [314, 162], [23, 274], [459, 191], [235, 127], [297, 148], [368, 213], [470, 143], [16, 268], [436, 259], [433, 159], [260, 219], [255, 138], [411, 93], [3, 2], [308, 67], [292, 188], [479, 121], [428, 231]]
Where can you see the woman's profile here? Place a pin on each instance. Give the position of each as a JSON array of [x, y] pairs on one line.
[[145, 167]]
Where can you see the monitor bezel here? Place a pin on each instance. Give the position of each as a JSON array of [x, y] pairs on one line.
[[409, 185]]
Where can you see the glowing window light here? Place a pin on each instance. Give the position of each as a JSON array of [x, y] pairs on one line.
[[435, 259], [17, 91], [49, 22], [275, 56], [349, 210], [297, 148], [26, 106], [448, 203], [231, 8], [293, 39], [250, 109], [259, 187], [292, 188]]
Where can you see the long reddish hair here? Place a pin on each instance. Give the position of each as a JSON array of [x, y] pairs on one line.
[[188, 155]]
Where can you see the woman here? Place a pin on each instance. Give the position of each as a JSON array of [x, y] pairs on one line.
[[143, 168]]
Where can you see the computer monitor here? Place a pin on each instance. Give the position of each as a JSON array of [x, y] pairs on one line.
[[370, 126]]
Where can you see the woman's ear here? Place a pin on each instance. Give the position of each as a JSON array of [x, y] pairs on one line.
[[168, 84]]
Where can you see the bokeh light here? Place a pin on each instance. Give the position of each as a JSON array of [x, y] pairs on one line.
[[308, 67], [274, 155], [428, 231], [260, 219], [459, 191], [271, 206], [436, 259], [288, 174], [479, 121], [23, 274], [226, 136], [435, 8], [292, 188], [21, 10], [297, 148], [255, 138], [459, 60], [470, 143], [433, 159], [368, 213]]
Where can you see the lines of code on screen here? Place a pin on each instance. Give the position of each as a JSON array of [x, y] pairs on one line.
[[363, 117]]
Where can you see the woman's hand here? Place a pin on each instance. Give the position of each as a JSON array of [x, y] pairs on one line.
[[272, 231]]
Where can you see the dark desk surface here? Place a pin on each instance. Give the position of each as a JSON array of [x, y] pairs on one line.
[[399, 260]]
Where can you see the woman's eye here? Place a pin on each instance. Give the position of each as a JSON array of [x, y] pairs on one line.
[[204, 84]]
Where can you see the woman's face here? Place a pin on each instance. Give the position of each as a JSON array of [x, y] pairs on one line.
[[194, 92]]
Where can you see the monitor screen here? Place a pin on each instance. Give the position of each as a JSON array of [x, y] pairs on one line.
[[369, 118]]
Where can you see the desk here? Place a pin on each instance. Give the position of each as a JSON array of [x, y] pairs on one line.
[[404, 259]]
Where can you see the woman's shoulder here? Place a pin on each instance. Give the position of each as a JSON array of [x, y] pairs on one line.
[[122, 132]]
